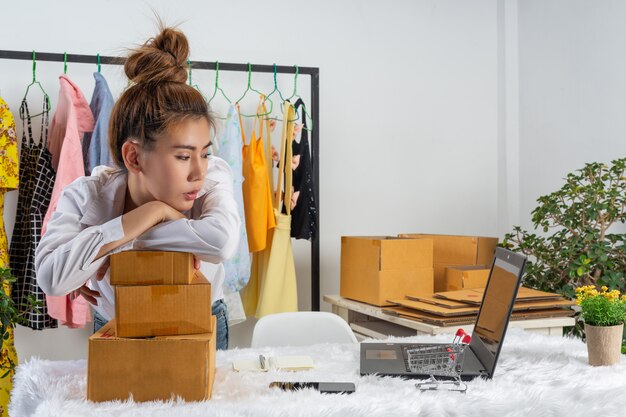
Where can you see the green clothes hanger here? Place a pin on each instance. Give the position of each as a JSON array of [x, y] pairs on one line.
[[218, 88], [250, 88], [35, 82], [99, 67], [295, 94], [191, 82], [275, 90]]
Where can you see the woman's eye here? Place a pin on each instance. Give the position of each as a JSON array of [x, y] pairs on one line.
[[206, 155], [183, 157]]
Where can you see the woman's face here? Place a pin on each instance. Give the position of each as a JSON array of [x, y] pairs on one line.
[[174, 170]]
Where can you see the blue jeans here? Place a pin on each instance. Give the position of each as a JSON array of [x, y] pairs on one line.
[[219, 310]]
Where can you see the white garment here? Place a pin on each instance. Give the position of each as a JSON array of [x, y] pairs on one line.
[[88, 216]]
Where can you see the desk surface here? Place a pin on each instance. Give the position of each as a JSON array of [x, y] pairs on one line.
[[536, 375]]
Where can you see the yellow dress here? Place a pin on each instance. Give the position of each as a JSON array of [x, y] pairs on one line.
[[8, 181]]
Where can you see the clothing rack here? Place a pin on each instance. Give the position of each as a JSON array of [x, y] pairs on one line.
[[224, 66]]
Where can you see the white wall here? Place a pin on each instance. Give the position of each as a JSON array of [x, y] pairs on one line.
[[410, 105], [572, 91]]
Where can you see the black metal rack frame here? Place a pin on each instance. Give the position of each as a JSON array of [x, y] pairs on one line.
[[224, 66]]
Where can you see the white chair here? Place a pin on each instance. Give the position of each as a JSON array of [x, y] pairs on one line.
[[301, 329]]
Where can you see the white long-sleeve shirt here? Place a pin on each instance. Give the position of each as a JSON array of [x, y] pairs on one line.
[[88, 216]]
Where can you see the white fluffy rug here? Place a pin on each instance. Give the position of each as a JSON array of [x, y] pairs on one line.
[[536, 376]]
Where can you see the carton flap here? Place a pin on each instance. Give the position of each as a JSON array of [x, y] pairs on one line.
[[107, 332]]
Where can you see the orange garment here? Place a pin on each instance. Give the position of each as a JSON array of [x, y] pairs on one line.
[[257, 195]]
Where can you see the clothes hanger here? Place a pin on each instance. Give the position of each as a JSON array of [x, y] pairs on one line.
[[250, 88], [46, 97], [275, 90], [99, 67], [191, 82], [64, 63], [218, 88], [295, 94]]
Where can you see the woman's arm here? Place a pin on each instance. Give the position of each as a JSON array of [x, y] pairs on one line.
[[137, 221], [214, 236], [69, 253]]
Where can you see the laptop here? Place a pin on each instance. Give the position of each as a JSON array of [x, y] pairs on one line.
[[479, 358]]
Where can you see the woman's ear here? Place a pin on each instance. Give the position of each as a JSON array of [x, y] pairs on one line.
[[131, 152]]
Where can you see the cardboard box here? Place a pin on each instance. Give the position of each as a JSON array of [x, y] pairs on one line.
[[451, 250], [164, 310], [376, 269], [466, 277], [524, 295], [151, 268], [150, 369]]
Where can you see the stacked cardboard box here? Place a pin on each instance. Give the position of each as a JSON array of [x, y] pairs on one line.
[[376, 269], [162, 341], [457, 251]]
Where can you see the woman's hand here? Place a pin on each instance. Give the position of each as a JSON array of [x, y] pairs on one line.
[[88, 294], [168, 212]]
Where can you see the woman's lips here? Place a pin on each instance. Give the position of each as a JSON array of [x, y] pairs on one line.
[[191, 196]]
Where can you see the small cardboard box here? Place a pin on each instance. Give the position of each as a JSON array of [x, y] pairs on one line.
[[150, 369], [377, 269], [164, 310], [466, 277], [451, 250], [151, 268]]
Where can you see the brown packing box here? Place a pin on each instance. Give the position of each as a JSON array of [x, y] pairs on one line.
[[436, 310], [473, 309], [442, 302], [466, 277], [375, 269], [475, 295], [164, 310], [151, 268], [150, 369], [424, 317], [451, 250]]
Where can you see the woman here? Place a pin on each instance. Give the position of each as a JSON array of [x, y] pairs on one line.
[[167, 192]]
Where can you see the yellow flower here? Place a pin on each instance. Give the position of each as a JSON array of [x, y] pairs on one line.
[[604, 288]]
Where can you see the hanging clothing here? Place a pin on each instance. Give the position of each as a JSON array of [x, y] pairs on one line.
[[89, 216], [71, 120], [9, 179], [26, 233], [237, 268], [278, 292], [256, 186], [303, 206], [96, 144], [260, 258]]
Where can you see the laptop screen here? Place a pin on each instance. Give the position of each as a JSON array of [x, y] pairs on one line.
[[496, 307]]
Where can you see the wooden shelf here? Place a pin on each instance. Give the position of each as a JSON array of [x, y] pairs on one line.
[[354, 312]]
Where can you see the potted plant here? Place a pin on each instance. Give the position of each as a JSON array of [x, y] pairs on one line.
[[603, 313], [10, 316], [575, 242]]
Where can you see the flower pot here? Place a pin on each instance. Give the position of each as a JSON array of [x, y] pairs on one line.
[[604, 344]]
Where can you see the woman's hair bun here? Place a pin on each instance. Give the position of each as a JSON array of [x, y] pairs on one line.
[[162, 58]]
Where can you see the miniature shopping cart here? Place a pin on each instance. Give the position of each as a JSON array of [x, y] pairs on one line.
[[444, 364]]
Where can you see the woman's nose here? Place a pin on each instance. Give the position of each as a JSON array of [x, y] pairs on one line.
[[197, 169]]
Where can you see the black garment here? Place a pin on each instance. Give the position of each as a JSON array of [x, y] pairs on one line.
[[35, 190], [304, 214]]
